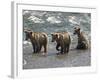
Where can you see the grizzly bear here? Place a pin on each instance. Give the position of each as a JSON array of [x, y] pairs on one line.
[[82, 41], [38, 40], [32, 39], [63, 40]]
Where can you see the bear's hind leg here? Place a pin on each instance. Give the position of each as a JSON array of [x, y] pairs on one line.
[[34, 48], [37, 48], [64, 49], [79, 46], [40, 48], [45, 49], [68, 48]]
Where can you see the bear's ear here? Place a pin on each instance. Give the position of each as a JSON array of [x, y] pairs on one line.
[[78, 29], [52, 34], [57, 36], [75, 28], [30, 32]]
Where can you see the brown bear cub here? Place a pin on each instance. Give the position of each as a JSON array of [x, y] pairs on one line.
[[38, 40], [63, 40], [82, 42]]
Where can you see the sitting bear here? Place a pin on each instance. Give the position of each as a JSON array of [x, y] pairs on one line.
[[82, 42], [38, 40], [63, 40]]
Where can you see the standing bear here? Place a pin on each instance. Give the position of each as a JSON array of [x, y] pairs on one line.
[[38, 40], [63, 40], [82, 42]]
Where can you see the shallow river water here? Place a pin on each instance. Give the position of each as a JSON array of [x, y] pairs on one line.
[[75, 58]]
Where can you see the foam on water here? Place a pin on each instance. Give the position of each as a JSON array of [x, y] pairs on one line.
[[26, 42], [24, 62]]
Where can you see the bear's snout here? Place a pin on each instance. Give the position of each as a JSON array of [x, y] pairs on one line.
[[74, 33], [26, 38]]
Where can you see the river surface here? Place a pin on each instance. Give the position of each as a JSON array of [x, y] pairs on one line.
[[75, 58]]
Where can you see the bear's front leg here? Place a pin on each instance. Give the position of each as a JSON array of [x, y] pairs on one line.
[[78, 47], [62, 50], [33, 48], [84, 45], [57, 47]]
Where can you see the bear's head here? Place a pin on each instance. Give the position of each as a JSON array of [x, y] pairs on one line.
[[76, 30], [55, 36], [28, 34]]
